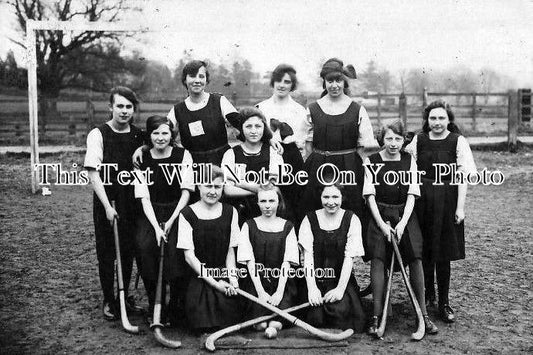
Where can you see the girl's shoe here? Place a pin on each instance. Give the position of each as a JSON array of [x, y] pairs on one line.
[[446, 313], [373, 330], [431, 328]]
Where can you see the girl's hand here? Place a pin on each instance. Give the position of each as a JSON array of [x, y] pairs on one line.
[[334, 295], [275, 299], [137, 158], [226, 288], [263, 296], [233, 281], [277, 146], [459, 215], [160, 234], [315, 297], [386, 229], [168, 226], [400, 228], [111, 214]]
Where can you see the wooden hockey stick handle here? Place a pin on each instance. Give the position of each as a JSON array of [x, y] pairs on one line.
[[211, 339], [312, 330]]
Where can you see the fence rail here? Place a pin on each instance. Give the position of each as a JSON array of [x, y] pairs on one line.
[[476, 113]]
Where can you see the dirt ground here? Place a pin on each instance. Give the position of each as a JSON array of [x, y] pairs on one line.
[[50, 295]]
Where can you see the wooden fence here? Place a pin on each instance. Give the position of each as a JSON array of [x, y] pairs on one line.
[[491, 114]]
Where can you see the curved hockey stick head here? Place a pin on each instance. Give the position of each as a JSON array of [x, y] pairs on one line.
[[158, 334]]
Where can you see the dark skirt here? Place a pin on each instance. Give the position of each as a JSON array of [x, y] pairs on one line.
[[376, 245], [291, 193], [443, 239], [254, 310], [205, 307], [174, 261], [345, 314]]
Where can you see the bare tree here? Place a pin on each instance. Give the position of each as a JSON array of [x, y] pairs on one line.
[[79, 59]]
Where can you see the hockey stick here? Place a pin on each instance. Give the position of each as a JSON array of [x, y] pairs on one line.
[[123, 314], [312, 330], [156, 324], [210, 341], [381, 329], [421, 331]]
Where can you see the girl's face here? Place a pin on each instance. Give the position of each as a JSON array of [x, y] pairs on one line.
[[161, 137], [268, 202], [211, 193], [121, 109], [283, 88], [196, 84], [438, 121], [334, 86], [393, 142], [331, 198], [252, 129]]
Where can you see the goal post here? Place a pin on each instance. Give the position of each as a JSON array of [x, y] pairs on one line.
[[31, 27]]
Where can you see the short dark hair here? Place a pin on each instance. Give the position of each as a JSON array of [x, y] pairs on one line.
[[452, 127], [153, 123], [191, 69], [125, 92], [244, 114], [396, 126], [280, 71]]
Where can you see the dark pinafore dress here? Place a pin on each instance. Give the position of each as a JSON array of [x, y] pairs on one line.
[[203, 132], [328, 250], [164, 198], [117, 149], [293, 157], [269, 250], [247, 206], [443, 239], [391, 201], [206, 307], [335, 142]]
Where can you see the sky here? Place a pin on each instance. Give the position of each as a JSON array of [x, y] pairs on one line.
[[397, 35]]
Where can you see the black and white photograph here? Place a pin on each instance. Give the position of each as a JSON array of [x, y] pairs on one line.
[[262, 177]]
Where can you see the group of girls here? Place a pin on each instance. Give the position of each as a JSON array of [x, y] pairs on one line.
[[207, 231]]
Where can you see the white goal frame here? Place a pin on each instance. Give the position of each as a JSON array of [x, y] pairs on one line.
[[31, 27]]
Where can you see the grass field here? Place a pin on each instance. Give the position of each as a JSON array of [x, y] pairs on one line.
[[50, 295]]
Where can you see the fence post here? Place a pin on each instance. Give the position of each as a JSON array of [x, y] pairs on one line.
[[424, 98], [379, 109], [234, 98], [403, 109], [474, 112], [512, 130], [89, 109], [71, 126]]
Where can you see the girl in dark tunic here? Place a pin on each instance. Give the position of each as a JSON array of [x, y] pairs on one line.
[[393, 203], [209, 235], [162, 201], [269, 247], [441, 207], [338, 130], [331, 238], [255, 155]]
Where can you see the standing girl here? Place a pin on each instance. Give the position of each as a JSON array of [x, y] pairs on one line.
[[254, 155], [208, 233], [392, 208], [338, 129], [441, 207], [287, 118], [331, 239], [161, 202], [269, 242]]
